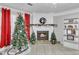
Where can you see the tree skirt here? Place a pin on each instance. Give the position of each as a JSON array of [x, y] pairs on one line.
[[3, 50], [23, 51]]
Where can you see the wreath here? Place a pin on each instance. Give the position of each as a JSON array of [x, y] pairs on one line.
[[42, 20]]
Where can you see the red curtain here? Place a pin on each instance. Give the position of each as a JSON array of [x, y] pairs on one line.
[[8, 28], [27, 22], [5, 28]]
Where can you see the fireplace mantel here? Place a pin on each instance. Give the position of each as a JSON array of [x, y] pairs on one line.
[[55, 25]]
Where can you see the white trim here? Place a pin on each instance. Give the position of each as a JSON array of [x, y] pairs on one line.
[[0, 25], [67, 12]]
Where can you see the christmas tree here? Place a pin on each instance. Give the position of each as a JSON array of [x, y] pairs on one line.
[[53, 38], [19, 36], [33, 38]]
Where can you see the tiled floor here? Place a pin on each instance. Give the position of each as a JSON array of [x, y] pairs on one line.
[[46, 48]]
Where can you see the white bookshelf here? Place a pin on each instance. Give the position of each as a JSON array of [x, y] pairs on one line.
[[71, 33]]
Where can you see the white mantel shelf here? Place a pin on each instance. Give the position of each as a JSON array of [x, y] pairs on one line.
[[43, 25]]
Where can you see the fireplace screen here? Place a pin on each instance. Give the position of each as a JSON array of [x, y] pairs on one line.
[[42, 35]]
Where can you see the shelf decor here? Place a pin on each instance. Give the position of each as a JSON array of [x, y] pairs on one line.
[[71, 34]]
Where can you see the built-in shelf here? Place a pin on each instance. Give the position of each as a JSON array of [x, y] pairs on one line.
[[71, 38], [68, 29], [73, 35], [70, 23], [71, 41]]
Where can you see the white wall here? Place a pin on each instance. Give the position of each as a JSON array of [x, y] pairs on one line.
[[49, 18], [60, 21], [13, 20]]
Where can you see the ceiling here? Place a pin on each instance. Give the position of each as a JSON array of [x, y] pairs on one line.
[[43, 7]]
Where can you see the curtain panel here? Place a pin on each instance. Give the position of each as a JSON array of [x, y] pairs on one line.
[[5, 28]]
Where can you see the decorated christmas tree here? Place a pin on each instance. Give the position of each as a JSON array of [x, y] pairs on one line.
[[19, 35], [53, 38], [33, 38]]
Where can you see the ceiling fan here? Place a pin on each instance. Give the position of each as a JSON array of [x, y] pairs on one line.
[[30, 4]]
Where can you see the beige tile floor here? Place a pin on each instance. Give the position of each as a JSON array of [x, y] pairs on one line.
[[44, 47]]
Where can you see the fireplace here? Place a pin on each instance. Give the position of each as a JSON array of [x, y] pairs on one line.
[[42, 35]]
